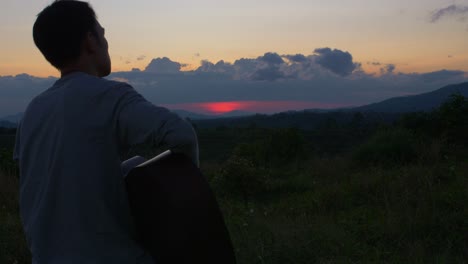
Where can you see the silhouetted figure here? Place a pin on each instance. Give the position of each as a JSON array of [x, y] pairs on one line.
[[73, 197]]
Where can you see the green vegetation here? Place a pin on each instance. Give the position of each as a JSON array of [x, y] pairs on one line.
[[13, 247], [355, 193]]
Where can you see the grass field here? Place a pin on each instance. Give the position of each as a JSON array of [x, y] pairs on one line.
[[325, 210]]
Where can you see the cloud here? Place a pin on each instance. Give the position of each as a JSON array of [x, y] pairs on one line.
[[298, 58], [268, 74], [299, 77], [388, 69], [243, 64], [271, 58], [163, 65], [263, 85], [120, 79], [442, 75], [449, 11], [219, 67], [141, 57], [272, 66], [337, 61], [17, 91]]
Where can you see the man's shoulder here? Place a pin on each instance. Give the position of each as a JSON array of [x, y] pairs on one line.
[[89, 85], [82, 84], [108, 82]]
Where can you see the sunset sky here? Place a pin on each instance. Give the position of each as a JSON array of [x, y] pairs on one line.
[[417, 36]]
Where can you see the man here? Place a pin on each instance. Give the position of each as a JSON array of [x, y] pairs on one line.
[[73, 202]]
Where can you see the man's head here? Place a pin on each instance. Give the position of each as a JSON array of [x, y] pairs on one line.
[[70, 38]]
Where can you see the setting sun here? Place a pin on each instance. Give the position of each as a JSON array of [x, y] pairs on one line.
[[264, 107], [222, 107]]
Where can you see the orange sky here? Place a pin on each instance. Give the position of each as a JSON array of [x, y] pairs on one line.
[[391, 32]]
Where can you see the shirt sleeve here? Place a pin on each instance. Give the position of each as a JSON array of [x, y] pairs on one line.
[[139, 121]]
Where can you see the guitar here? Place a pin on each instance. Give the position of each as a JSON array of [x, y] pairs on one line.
[[175, 212]]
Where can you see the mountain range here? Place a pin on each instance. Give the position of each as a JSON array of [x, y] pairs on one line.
[[396, 105], [416, 103]]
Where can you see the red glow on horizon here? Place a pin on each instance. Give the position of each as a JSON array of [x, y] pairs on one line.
[[264, 107], [222, 107]]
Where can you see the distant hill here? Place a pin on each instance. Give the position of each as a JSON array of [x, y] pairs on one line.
[[12, 118], [235, 113], [415, 103], [301, 119], [191, 115], [7, 124], [385, 111], [196, 116]]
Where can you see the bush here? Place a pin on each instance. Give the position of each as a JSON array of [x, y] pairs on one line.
[[397, 146], [280, 148], [7, 164], [452, 119], [239, 177]]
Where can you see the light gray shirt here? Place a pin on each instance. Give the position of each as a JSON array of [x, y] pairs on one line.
[[73, 201]]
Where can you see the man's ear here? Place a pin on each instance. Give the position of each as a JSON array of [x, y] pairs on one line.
[[90, 43]]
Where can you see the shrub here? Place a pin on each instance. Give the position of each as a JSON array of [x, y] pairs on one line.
[[452, 119], [239, 177], [390, 147], [7, 164], [277, 149]]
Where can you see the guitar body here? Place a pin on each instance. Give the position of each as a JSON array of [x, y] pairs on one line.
[[176, 214]]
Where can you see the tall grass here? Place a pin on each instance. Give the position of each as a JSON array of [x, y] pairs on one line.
[[13, 248], [408, 214], [327, 211]]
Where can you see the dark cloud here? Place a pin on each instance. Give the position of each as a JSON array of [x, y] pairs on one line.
[[219, 67], [272, 66], [442, 75], [246, 64], [244, 68], [449, 11], [337, 61], [262, 84], [299, 58], [141, 57], [268, 74], [206, 66], [163, 65], [250, 80], [271, 58], [388, 69], [17, 91], [375, 63]]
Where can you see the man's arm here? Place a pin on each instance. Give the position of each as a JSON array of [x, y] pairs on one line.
[[139, 121]]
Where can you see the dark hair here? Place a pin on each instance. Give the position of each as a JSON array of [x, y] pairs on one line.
[[60, 29]]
